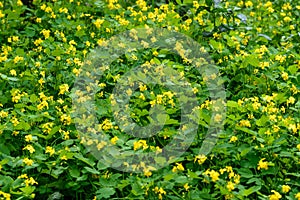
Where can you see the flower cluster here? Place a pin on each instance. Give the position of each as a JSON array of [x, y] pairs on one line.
[[44, 45]]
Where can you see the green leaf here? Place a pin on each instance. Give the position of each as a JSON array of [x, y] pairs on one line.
[[91, 170], [40, 157], [286, 154], [3, 76], [168, 177], [265, 36], [178, 2], [27, 190], [245, 151], [250, 190], [83, 159], [253, 60], [101, 165], [29, 32], [181, 179], [194, 175], [246, 173], [262, 121], [216, 45], [247, 130], [293, 69], [105, 193], [4, 149], [123, 184], [160, 160], [57, 52], [137, 190], [20, 52], [74, 172], [23, 126], [232, 104], [55, 173], [52, 132], [82, 178]]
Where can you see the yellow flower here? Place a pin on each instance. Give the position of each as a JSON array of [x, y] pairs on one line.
[[174, 169], [63, 10], [218, 118], [262, 164], [293, 128], [30, 148], [5, 195], [41, 81], [195, 90], [297, 196], [15, 121], [245, 123], [186, 187], [214, 175], [17, 59], [30, 181], [147, 173], [142, 96], [46, 33], [106, 125], [298, 147], [19, 3], [180, 167], [285, 76], [291, 100], [101, 145], [200, 158], [63, 88], [38, 42], [13, 72], [237, 179], [38, 20], [1, 14], [87, 43], [23, 176], [139, 144], [15, 133], [27, 161], [48, 9], [50, 150], [3, 114], [66, 119], [28, 138], [230, 186], [43, 7], [285, 188], [142, 87], [63, 157], [233, 139], [287, 19], [248, 4], [98, 23], [275, 196], [280, 58], [42, 105], [114, 140], [72, 42]]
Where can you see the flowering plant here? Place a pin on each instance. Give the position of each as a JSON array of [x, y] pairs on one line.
[[254, 45]]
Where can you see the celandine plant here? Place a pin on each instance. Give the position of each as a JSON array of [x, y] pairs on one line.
[[241, 144]]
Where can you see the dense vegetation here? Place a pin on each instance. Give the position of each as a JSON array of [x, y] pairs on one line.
[[255, 47]]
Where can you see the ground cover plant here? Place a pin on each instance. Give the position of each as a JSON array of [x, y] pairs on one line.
[[255, 46]]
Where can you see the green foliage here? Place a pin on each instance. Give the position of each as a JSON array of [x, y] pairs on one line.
[[255, 45]]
